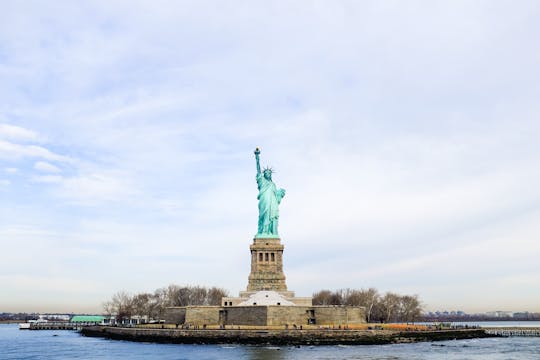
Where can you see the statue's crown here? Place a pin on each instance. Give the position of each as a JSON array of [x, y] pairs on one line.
[[268, 169]]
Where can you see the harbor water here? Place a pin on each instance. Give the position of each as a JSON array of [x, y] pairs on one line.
[[47, 344]]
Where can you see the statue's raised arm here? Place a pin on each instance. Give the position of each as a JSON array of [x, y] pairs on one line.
[[269, 199], [257, 152]]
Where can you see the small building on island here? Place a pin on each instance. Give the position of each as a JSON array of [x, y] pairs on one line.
[[88, 319]]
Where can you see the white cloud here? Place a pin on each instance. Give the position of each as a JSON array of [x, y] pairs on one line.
[[11, 170], [97, 188], [52, 179], [4, 182], [46, 167], [10, 151], [91, 189], [16, 132]]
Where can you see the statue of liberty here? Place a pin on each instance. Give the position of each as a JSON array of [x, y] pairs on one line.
[[269, 198]]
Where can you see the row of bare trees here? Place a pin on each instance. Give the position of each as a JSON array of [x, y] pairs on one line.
[[388, 307], [152, 305]]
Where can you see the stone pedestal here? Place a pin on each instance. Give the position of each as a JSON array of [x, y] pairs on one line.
[[266, 266], [266, 276]]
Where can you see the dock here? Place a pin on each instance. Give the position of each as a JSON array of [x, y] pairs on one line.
[[513, 331], [60, 325]]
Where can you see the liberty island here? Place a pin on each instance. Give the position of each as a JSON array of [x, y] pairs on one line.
[[267, 300], [267, 312]]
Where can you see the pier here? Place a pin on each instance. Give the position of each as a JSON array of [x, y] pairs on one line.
[[513, 331], [54, 325]]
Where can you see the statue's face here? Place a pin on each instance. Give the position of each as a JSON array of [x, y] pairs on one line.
[[267, 175]]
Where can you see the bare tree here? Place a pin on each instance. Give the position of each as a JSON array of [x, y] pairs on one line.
[[179, 296], [366, 298], [120, 305], [175, 295], [109, 308], [322, 297], [390, 304], [410, 308], [159, 302], [198, 295], [153, 305], [337, 297], [215, 295], [389, 307], [141, 303]]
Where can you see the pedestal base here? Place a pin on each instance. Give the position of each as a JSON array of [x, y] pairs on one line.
[[266, 266], [266, 274]]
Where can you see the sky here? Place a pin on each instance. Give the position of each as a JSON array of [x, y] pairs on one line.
[[406, 135]]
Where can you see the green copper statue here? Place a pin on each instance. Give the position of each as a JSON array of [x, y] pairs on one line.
[[269, 199]]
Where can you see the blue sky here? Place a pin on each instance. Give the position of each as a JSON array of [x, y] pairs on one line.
[[405, 133]]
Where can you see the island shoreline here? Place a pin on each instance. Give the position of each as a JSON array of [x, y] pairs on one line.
[[281, 337]]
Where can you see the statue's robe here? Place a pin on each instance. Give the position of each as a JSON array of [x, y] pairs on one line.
[[269, 198]]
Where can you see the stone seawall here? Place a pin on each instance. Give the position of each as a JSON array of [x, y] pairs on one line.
[[279, 337]]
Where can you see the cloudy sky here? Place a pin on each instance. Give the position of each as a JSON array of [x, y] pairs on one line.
[[405, 133]]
